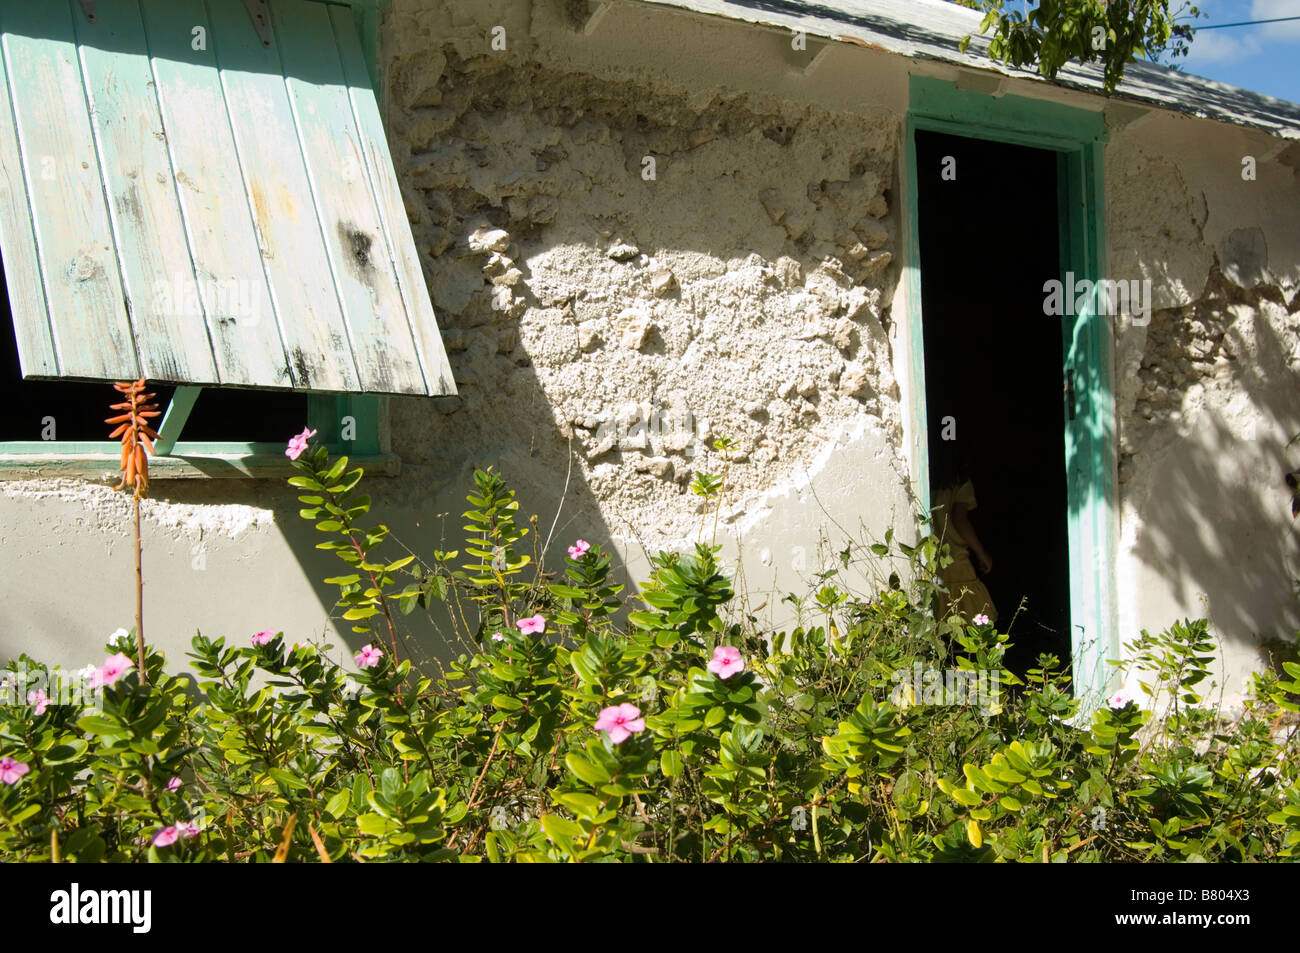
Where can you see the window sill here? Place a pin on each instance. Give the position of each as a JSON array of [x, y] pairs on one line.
[[103, 467]]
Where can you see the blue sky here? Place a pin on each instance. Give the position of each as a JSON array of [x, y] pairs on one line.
[[1264, 58]]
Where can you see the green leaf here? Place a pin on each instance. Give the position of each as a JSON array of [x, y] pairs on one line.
[[23, 813], [287, 779], [100, 725], [70, 750], [582, 804], [586, 770], [670, 763], [558, 828], [337, 804], [568, 592], [375, 825], [336, 471]]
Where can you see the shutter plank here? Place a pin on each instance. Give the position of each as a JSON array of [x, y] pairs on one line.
[[242, 326], [397, 227], [157, 274], [284, 213], [18, 246], [359, 255], [90, 329]]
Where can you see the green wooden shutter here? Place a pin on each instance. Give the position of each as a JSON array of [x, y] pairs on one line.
[[186, 198]]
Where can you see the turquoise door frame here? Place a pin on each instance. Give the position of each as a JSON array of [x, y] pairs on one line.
[[1078, 138]]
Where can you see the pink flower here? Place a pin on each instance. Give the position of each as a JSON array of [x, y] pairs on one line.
[[114, 667], [981, 619], [187, 829], [726, 661], [533, 624], [38, 698], [1120, 699], [263, 637], [166, 837], [498, 637], [298, 444], [368, 657], [174, 784], [579, 549], [11, 770], [621, 721]]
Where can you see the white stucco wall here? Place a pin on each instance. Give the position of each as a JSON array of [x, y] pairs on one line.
[[746, 287], [1206, 393]]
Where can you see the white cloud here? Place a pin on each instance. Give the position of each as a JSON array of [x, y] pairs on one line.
[[1239, 43], [1218, 46], [1274, 9]]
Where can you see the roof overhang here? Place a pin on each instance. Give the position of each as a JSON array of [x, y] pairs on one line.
[[933, 30]]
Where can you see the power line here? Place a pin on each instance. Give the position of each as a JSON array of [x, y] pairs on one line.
[[1222, 26]]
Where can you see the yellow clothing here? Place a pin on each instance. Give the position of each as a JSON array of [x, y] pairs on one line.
[[967, 595]]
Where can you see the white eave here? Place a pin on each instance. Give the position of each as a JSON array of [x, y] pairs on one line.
[[933, 30]]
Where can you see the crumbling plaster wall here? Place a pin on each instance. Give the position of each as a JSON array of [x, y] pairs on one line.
[[1206, 393], [596, 314], [748, 286]]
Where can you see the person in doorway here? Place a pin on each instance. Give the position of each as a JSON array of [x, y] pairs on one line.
[[953, 501]]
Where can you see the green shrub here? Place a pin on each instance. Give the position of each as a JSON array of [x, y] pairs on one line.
[[662, 727]]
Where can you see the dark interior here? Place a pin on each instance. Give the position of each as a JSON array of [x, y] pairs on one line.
[[79, 407], [993, 362]]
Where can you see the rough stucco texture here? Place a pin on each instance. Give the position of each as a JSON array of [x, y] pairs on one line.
[[1206, 393], [741, 290]]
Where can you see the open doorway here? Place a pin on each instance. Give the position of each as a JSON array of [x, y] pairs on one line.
[[989, 238]]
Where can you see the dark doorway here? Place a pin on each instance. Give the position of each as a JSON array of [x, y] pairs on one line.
[[993, 365]]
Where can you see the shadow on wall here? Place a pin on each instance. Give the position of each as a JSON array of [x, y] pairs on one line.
[[603, 327], [1204, 456], [606, 318]]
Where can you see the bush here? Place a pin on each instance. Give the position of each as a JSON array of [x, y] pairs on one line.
[[578, 725]]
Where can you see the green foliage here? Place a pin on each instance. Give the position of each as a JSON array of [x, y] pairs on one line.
[[1051, 33], [333, 501], [824, 747]]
